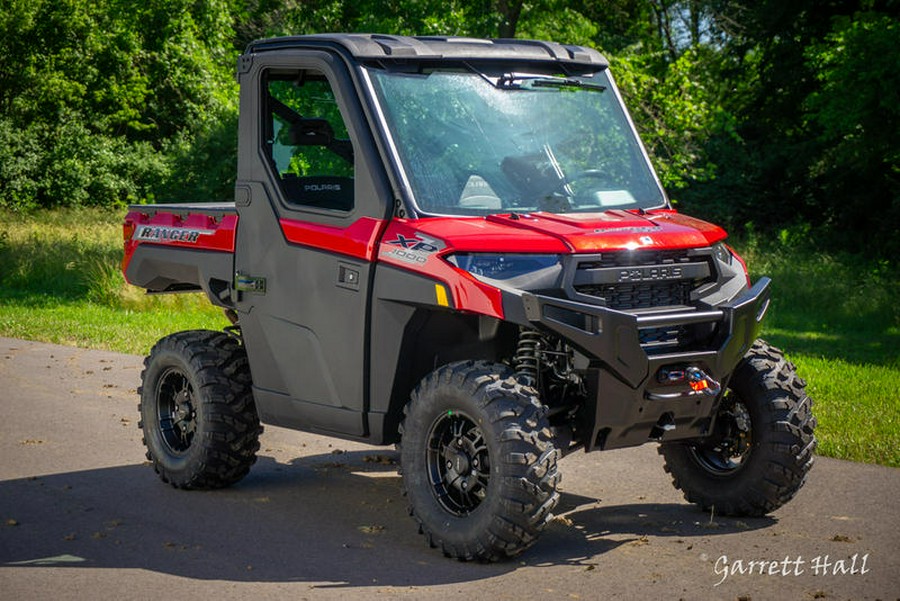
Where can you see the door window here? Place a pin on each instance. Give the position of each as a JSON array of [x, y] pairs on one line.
[[306, 140]]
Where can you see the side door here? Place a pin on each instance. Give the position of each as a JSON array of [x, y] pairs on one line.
[[312, 201]]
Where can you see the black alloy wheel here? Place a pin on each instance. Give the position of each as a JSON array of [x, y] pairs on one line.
[[175, 410], [459, 465], [762, 445], [728, 448], [478, 462], [198, 416]]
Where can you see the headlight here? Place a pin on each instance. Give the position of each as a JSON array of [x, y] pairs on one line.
[[526, 272], [732, 262], [722, 253]]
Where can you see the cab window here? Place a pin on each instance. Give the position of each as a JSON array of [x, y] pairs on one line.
[[306, 140]]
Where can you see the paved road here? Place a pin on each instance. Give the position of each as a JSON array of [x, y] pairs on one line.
[[83, 517]]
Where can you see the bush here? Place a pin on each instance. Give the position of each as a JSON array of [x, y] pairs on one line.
[[65, 164]]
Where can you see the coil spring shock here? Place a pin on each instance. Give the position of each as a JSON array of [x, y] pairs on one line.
[[527, 359]]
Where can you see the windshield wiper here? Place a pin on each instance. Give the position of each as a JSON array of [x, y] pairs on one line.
[[529, 82]]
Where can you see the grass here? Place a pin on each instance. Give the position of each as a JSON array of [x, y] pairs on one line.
[[837, 316], [60, 282]]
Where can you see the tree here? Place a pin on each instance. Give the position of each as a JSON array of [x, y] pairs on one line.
[[854, 122], [93, 94], [749, 109], [814, 93]]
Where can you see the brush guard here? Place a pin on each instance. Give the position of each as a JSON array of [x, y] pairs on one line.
[[634, 396]]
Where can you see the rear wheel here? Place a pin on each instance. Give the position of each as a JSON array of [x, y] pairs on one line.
[[761, 449], [199, 421], [479, 467]]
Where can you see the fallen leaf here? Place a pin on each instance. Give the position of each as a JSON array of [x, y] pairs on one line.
[[641, 541], [561, 519], [380, 459]]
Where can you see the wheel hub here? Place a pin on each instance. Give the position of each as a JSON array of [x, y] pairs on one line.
[[184, 412], [175, 410], [730, 445], [458, 463]]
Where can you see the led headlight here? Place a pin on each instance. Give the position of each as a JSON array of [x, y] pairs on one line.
[[732, 266], [522, 271], [722, 253]]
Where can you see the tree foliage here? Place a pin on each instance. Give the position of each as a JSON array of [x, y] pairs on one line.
[[854, 119], [98, 97], [765, 112]]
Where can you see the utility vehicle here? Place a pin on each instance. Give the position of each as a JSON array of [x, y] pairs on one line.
[[460, 247]]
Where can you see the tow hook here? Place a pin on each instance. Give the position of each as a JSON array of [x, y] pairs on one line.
[[699, 381]]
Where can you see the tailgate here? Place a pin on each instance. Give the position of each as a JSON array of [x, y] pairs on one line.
[[183, 247]]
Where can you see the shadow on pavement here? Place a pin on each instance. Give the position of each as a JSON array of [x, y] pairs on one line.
[[331, 520]]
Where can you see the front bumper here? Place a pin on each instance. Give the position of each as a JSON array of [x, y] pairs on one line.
[[629, 403]]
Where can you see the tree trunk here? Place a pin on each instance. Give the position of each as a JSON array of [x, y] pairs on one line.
[[509, 10]]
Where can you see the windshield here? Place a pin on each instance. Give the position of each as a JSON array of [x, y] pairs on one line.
[[474, 143]]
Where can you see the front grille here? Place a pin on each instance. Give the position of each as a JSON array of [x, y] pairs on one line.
[[642, 280], [643, 295]]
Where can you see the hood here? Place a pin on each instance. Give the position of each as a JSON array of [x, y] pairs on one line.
[[571, 232]]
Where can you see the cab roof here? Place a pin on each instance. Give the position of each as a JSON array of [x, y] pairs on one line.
[[365, 47]]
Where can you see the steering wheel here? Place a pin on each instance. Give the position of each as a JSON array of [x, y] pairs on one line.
[[586, 174], [557, 198]]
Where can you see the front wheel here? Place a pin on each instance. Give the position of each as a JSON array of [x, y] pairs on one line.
[[479, 466], [762, 444]]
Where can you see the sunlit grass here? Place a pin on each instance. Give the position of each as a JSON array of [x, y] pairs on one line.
[[838, 319], [90, 325], [857, 409], [61, 282], [830, 306]]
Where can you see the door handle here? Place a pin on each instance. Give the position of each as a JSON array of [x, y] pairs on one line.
[[348, 276]]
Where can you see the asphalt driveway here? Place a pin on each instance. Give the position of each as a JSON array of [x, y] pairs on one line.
[[82, 516]]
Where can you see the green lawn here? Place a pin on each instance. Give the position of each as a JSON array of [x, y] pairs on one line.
[[838, 317], [60, 282], [91, 325]]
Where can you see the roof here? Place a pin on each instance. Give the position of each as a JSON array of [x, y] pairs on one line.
[[394, 47]]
